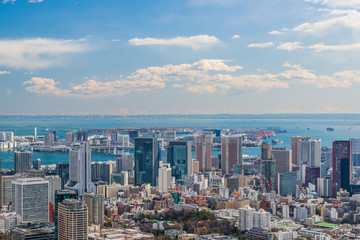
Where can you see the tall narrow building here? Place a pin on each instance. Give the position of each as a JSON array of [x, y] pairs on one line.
[[179, 158], [80, 168], [22, 161], [164, 177], [203, 151], [231, 154], [146, 160], [341, 166], [295, 149], [282, 158], [73, 221], [95, 206]]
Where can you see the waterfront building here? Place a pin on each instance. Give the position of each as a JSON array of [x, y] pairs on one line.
[[179, 158], [61, 195], [164, 181], [341, 166], [95, 207], [49, 139], [73, 221], [231, 154], [124, 162], [80, 168], [146, 160], [203, 151], [69, 138], [22, 161], [30, 199], [9, 136]]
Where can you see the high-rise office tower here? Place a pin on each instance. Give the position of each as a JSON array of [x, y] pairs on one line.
[[30, 199], [355, 157], [73, 221], [37, 164], [49, 139], [80, 168], [101, 172], [133, 135], [146, 160], [295, 149], [311, 175], [231, 153], [62, 170], [95, 206], [326, 155], [61, 195], [2, 136], [203, 151], [310, 152], [286, 183], [6, 188], [341, 166], [124, 162], [22, 161], [179, 158], [82, 136], [162, 151], [282, 158], [324, 188], [164, 177], [265, 151], [169, 135], [54, 184], [9, 136]]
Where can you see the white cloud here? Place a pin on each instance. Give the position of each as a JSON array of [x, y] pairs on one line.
[[290, 46], [35, 1], [4, 72], [235, 36], [37, 52], [10, 1], [323, 47], [116, 40], [194, 42], [338, 3], [275, 32], [8, 92], [261, 45], [44, 86]]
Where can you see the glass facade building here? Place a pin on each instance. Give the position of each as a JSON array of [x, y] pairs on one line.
[[179, 158]]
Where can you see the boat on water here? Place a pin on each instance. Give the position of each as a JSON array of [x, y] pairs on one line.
[[276, 142], [329, 129], [308, 128]]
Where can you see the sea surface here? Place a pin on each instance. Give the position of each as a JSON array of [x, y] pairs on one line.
[[345, 126]]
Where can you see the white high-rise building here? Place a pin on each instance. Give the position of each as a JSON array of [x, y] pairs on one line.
[[246, 221], [35, 134], [300, 213], [231, 154], [285, 212], [2, 137], [310, 152], [30, 199], [49, 139], [125, 162], [164, 177], [54, 184], [261, 219], [80, 168], [9, 136], [69, 138]]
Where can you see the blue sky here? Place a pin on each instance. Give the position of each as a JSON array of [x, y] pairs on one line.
[[179, 56]]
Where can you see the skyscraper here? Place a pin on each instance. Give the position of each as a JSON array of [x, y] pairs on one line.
[[266, 151], [203, 151], [146, 160], [69, 138], [80, 168], [101, 172], [310, 152], [37, 164], [267, 167], [341, 166], [124, 162], [295, 149], [164, 177], [30, 199], [61, 195], [95, 207], [179, 158], [231, 153], [49, 139], [22, 161], [282, 158], [286, 183], [54, 184], [62, 170], [246, 221], [73, 221]]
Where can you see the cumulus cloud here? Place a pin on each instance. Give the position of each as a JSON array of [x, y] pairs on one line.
[[195, 42], [35, 1], [10, 1], [235, 36], [38, 53], [204, 76], [289, 46], [275, 32], [4, 72], [261, 45]]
